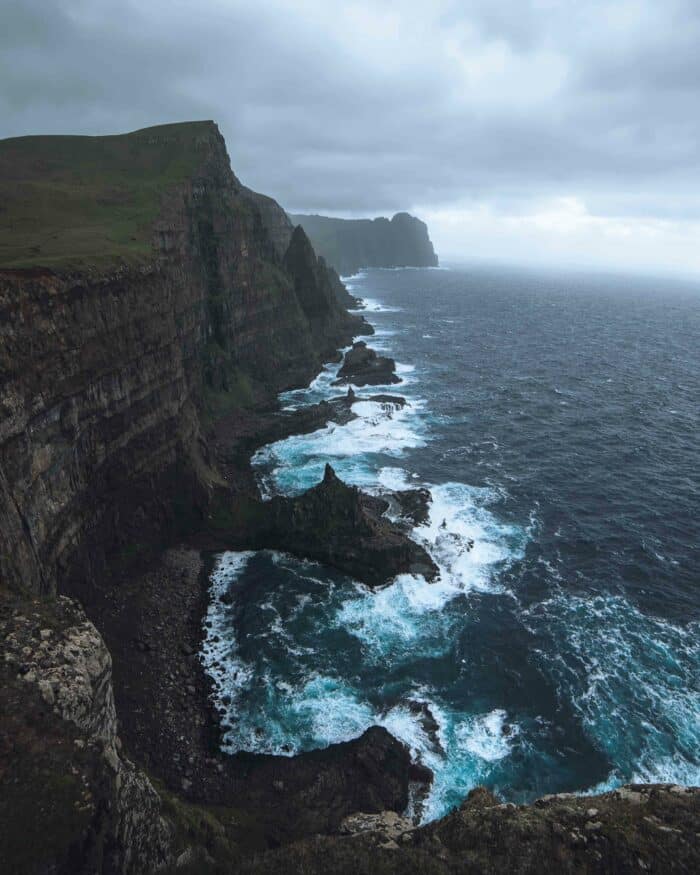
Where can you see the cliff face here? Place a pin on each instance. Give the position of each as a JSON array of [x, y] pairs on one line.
[[105, 372], [167, 294], [351, 244], [281, 229], [314, 285], [98, 412], [277, 223]]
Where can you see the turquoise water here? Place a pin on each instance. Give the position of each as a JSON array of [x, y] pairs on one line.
[[554, 419]]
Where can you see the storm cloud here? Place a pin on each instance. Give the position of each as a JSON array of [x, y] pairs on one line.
[[513, 126]]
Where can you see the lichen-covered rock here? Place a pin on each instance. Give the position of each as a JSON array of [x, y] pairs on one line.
[[62, 772], [652, 829], [390, 827]]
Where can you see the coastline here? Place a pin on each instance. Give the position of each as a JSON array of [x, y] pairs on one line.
[[263, 813], [254, 794], [152, 616]]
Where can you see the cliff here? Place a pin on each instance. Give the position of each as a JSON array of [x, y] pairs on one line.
[[638, 828], [71, 801], [142, 296], [351, 244], [118, 338]]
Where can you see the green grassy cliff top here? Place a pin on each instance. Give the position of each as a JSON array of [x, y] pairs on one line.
[[75, 202]]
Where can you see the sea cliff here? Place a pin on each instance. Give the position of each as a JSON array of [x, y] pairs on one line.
[[145, 295], [111, 359]]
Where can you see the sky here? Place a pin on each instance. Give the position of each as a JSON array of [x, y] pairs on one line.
[[534, 130]]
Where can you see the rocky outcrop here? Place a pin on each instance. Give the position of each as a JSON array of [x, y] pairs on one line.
[[351, 244], [332, 523], [633, 829], [70, 801], [363, 366], [343, 527]]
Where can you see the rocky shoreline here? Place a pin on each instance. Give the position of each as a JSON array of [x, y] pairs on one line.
[[152, 614], [169, 725], [339, 809]]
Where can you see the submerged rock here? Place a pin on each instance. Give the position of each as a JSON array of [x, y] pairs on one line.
[[393, 400]]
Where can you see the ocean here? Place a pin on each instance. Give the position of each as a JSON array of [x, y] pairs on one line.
[[554, 416]]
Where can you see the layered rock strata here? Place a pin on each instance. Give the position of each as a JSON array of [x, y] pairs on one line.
[[105, 374]]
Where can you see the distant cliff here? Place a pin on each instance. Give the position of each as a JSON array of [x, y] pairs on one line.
[[351, 244]]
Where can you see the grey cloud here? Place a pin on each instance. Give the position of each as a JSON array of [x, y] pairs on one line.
[[328, 120]]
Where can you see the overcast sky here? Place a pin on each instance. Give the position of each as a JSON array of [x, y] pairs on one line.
[[521, 129]]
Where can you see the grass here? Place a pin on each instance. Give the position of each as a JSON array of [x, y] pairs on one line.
[[75, 202]]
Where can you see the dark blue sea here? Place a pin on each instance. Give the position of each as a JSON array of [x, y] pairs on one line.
[[554, 417]]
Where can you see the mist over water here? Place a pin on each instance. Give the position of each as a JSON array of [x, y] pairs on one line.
[[554, 418]]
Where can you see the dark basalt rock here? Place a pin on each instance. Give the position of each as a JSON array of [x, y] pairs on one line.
[[393, 400], [316, 290], [313, 792], [339, 525], [396, 401], [414, 504], [363, 367]]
